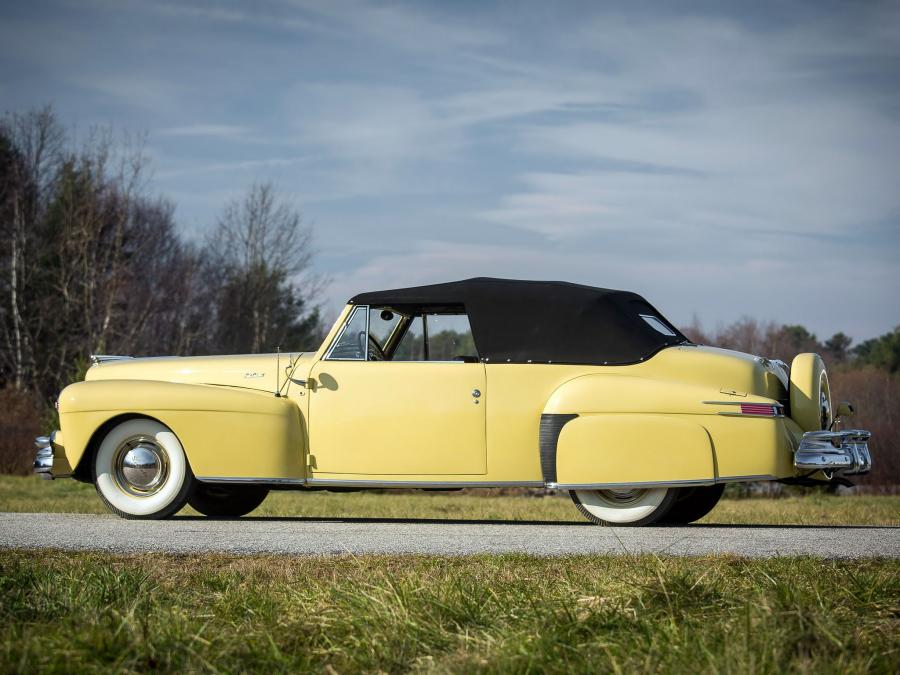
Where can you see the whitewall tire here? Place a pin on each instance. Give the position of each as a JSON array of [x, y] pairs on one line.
[[637, 506], [141, 470]]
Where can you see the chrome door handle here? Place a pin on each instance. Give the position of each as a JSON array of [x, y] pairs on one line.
[[476, 393]]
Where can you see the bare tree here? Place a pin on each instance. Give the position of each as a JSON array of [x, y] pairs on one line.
[[265, 253], [31, 148]]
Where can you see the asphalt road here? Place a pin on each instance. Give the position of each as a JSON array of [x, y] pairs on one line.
[[301, 536]]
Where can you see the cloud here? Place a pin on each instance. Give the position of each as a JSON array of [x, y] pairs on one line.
[[401, 26], [716, 288], [681, 153], [209, 130], [249, 165], [765, 143]]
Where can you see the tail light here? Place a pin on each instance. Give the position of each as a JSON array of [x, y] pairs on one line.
[[762, 409]]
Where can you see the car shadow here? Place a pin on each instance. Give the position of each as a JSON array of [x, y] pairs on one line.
[[558, 523], [405, 521]]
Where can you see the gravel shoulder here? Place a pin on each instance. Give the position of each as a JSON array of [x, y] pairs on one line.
[[300, 536]]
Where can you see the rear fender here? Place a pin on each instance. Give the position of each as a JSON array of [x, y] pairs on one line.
[[623, 430], [618, 393], [629, 449]]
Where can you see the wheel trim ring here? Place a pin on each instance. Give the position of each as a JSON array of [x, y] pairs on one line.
[[645, 502]]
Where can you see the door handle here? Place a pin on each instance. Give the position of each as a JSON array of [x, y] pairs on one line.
[[476, 393]]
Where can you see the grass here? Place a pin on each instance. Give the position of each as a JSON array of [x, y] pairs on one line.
[[98, 612], [30, 494]]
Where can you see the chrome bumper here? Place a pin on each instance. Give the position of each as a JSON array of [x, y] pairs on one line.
[[834, 452], [43, 459]]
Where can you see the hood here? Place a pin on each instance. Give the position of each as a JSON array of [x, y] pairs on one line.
[[249, 371]]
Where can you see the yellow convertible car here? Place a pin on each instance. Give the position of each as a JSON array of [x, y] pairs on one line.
[[476, 383]]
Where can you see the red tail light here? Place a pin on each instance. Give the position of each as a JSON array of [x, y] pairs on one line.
[[763, 409]]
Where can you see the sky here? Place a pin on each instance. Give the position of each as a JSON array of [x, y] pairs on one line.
[[722, 159]]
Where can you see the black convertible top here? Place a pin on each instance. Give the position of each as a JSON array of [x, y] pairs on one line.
[[543, 321]]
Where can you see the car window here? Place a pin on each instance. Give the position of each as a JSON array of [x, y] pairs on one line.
[[351, 344], [449, 338], [412, 346], [382, 323], [656, 324]]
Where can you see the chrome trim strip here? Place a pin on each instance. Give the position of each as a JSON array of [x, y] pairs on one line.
[[740, 414], [421, 483], [741, 403], [645, 484], [744, 479], [662, 483], [252, 481]]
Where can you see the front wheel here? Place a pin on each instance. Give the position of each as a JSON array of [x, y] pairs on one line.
[[635, 506], [219, 501], [141, 472]]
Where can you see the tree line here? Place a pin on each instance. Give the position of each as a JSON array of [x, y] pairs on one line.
[[92, 262], [785, 341]]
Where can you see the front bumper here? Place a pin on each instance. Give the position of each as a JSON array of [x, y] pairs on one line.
[[834, 452], [45, 455]]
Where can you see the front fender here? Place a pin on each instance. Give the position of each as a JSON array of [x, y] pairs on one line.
[[226, 432]]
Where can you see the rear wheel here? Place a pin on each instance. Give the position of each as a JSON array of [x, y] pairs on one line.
[[636, 506], [233, 501], [694, 503], [141, 472]]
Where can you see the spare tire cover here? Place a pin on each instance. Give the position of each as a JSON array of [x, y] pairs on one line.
[[810, 393]]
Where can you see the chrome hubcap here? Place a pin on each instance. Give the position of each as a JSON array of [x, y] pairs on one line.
[[141, 466]]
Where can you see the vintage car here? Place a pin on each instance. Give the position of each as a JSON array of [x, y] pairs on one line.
[[476, 383]]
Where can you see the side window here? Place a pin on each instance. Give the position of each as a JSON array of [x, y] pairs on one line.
[[412, 346], [382, 323], [352, 342], [450, 338], [437, 337]]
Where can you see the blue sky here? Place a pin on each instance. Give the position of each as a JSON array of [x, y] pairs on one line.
[[723, 160]]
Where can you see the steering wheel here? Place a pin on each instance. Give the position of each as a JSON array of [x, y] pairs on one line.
[[375, 353]]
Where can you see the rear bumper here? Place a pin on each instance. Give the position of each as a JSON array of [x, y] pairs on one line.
[[834, 452]]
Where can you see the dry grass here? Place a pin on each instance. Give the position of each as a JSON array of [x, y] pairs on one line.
[[97, 612], [30, 494]]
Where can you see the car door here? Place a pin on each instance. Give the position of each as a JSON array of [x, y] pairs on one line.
[[402, 417]]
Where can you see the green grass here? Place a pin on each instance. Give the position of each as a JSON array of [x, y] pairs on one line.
[[30, 494], [95, 612]]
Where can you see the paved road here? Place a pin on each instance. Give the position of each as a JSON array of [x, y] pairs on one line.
[[300, 536]]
